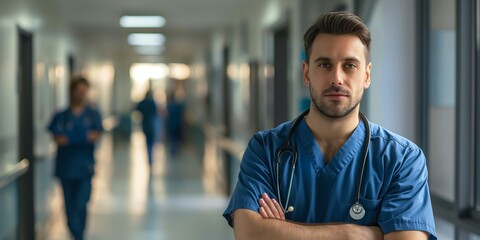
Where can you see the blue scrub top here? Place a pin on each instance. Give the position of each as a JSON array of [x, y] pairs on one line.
[[76, 159], [394, 189]]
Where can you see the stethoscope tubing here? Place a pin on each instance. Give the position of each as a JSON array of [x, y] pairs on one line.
[[289, 148]]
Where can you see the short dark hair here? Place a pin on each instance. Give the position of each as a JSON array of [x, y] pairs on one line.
[[337, 23], [76, 81]]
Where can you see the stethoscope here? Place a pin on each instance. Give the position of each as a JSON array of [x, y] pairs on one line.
[[357, 211]]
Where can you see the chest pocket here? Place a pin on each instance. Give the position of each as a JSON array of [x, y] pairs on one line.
[[67, 122], [87, 122]]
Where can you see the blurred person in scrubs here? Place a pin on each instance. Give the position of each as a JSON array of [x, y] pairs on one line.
[[75, 131], [151, 122], [175, 110], [332, 175]]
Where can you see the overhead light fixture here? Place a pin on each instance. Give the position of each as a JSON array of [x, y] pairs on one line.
[[142, 21], [149, 50], [146, 39]]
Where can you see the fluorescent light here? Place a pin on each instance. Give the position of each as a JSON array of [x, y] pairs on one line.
[[142, 21], [149, 50], [146, 39]]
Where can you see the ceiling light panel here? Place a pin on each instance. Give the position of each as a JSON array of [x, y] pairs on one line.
[[142, 21], [146, 39]]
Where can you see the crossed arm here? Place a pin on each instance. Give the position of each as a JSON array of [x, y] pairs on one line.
[[63, 139], [270, 223]]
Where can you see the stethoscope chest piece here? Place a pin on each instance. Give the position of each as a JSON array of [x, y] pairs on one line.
[[357, 212]]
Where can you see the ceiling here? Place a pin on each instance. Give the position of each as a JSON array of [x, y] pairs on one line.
[[188, 22]]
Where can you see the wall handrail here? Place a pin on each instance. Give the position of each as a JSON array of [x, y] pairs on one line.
[[224, 143], [230, 147], [12, 173]]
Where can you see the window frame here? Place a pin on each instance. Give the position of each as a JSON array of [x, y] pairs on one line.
[[476, 208], [464, 212]]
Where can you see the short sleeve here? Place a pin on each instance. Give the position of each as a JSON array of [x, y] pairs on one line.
[[54, 127], [254, 179], [407, 204]]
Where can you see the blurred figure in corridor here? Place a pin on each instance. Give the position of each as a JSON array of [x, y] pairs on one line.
[[175, 109], [75, 131], [151, 122]]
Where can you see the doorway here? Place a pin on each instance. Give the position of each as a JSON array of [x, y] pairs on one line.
[[227, 122], [26, 226], [71, 64], [280, 79], [254, 98]]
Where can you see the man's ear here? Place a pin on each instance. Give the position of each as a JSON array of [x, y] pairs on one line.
[[367, 75], [306, 75]]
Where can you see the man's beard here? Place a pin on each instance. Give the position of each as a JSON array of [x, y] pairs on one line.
[[331, 113]]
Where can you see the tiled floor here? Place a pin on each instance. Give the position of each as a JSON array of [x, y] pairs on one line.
[[174, 202]]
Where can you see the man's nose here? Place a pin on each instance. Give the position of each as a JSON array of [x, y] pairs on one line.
[[338, 76]]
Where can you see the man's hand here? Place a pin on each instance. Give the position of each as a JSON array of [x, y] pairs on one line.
[[270, 208], [93, 136], [61, 140]]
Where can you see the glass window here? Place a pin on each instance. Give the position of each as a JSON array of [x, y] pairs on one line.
[[477, 137], [441, 91]]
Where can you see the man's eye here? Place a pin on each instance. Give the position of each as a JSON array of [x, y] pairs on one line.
[[350, 65], [324, 65]]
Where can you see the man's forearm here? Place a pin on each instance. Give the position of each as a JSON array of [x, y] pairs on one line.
[[276, 229], [252, 226]]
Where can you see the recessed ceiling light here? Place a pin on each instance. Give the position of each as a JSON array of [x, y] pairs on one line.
[[142, 21], [146, 39]]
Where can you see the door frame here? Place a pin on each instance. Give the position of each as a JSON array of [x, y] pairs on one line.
[[26, 203]]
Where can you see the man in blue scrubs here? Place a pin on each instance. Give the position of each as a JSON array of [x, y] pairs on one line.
[[331, 143], [75, 130]]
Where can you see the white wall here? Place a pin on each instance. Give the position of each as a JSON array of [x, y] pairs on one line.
[[392, 95]]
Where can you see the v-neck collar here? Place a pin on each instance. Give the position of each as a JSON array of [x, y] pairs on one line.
[[79, 115], [309, 150]]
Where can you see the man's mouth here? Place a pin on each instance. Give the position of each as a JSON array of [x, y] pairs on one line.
[[336, 95]]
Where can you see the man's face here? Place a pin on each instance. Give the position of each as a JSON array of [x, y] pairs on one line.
[[79, 93], [336, 74]]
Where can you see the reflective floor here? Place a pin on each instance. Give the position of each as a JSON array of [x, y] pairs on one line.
[[175, 201]]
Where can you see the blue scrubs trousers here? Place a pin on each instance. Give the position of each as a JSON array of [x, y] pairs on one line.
[[77, 193], [150, 141]]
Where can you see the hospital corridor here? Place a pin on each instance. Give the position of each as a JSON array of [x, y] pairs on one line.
[[134, 204], [239, 119]]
